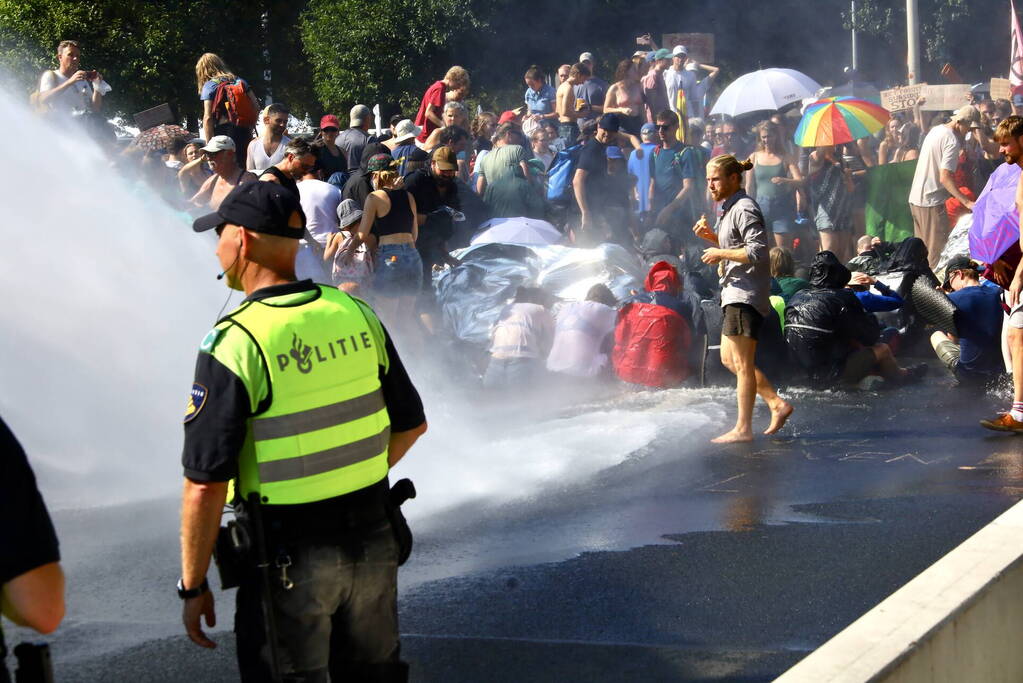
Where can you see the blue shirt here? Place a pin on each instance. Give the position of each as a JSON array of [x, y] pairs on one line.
[[887, 300], [542, 101], [641, 169], [672, 166], [979, 323]]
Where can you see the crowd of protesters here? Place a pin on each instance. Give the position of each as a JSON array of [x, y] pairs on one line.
[[625, 162]]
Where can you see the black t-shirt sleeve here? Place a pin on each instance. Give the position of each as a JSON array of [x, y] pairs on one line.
[[404, 407], [593, 158], [27, 538], [216, 431]]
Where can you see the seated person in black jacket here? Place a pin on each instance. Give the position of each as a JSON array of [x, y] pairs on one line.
[[832, 337]]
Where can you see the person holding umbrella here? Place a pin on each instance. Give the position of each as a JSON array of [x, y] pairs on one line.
[[827, 123]]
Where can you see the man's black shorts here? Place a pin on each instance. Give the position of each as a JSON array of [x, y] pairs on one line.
[[741, 320]]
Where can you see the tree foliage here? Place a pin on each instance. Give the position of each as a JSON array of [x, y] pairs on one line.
[[147, 49], [326, 55], [381, 50], [972, 35]]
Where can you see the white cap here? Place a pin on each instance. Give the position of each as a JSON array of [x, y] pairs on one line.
[[679, 50], [405, 130], [218, 143], [586, 57]]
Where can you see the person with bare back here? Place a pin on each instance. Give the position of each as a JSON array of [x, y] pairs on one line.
[[740, 246]]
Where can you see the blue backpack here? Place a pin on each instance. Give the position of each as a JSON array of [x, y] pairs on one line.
[[559, 175]]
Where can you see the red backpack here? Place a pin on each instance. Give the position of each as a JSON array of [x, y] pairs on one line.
[[233, 97]]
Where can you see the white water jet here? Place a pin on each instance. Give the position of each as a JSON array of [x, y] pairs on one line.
[[109, 295]]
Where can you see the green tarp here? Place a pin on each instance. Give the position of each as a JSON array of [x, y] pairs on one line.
[[887, 212]]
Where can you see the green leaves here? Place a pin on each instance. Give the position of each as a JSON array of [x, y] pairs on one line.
[[384, 51]]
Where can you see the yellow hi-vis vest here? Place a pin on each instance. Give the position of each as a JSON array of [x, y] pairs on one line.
[[326, 430]]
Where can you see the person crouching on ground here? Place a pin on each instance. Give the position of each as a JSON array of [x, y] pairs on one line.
[[521, 341], [974, 356], [741, 250], [584, 334], [833, 338], [653, 332]]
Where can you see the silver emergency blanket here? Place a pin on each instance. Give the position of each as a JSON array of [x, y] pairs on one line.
[[958, 243], [472, 295]]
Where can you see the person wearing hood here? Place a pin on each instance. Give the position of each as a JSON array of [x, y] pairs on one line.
[[740, 252], [652, 334], [832, 337]]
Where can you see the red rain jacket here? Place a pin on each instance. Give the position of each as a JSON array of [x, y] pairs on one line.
[[652, 340]]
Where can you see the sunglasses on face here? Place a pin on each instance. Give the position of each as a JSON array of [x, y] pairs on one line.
[[665, 126], [330, 130]]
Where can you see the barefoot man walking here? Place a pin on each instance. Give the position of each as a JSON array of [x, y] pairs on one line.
[[741, 250]]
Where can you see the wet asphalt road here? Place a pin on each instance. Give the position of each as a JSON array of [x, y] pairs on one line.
[[687, 561]]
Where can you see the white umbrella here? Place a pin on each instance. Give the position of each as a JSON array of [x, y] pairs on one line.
[[519, 230], [767, 89]]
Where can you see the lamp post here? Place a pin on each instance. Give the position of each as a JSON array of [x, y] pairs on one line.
[[852, 16], [913, 42]]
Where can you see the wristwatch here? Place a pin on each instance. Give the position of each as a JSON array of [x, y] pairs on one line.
[[184, 594]]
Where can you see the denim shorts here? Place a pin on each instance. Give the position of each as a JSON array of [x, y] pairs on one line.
[[398, 271], [779, 213]]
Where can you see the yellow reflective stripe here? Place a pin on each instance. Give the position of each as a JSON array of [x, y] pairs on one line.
[[293, 424], [324, 461]]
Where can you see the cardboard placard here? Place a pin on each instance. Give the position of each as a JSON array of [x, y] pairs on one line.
[[945, 97], [700, 45], [1001, 88], [150, 118], [901, 99]]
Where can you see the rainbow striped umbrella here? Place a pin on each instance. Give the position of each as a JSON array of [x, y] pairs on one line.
[[838, 120]]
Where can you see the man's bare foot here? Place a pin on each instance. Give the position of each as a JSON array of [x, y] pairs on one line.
[[778, 417], [734, 436]]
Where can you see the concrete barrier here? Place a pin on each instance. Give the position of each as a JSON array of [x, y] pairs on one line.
[[959, 621]]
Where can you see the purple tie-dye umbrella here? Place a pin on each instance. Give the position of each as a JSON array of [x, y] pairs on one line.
[[995, 219]]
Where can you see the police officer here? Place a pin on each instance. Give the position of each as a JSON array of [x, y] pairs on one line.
[[31, 580], [300, 399]]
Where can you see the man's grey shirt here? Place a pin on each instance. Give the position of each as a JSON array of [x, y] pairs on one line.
[[352, 141], [741, 225]]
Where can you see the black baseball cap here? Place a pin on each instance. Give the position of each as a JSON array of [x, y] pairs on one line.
[[259, 206], [609, 122], [955, 264]]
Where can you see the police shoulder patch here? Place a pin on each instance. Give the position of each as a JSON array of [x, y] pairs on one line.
[[196, 400], [210, 340]]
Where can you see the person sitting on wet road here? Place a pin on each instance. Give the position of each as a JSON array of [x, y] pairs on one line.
[[584, 334], [871, 252], [832, 337], [653, 333], [521, 341], [784, 282], [975, 356]]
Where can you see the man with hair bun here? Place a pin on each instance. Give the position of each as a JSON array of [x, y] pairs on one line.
[[740, 247]]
